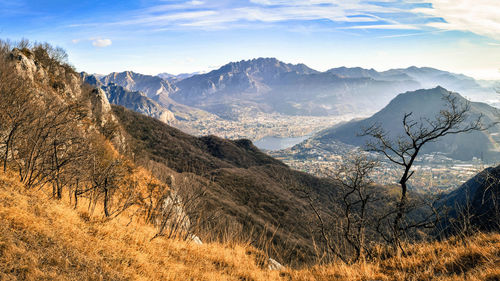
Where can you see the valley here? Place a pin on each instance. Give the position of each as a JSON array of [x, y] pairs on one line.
[[279, 105], [259, 125], [252, 140], [434, 174], [159, 174]]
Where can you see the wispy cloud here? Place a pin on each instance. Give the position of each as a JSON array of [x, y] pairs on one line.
[[385, 26], [413, 34], [222, 14], [478, 16], [10, 7]]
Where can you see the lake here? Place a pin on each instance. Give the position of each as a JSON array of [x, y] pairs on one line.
[[276, 143]]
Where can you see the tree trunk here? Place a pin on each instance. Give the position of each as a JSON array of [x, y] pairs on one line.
[[106, 198], [76, 194], [397, 221], [7, 146]]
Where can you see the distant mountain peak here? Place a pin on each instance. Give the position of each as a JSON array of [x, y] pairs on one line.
[[268, 64], [425, 103]]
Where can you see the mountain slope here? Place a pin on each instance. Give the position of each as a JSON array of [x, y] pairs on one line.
[[425, 103], [44, 239], [478, 201], [251, 191]]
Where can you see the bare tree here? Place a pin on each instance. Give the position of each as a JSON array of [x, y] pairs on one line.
[[16, 108], [403, 150], [344, 229], [357, 193]]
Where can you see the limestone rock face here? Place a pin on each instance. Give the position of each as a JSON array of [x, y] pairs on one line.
[[166, 116], [60, 81], [175, 214], [101, 108], [196, 239], [27, 66]]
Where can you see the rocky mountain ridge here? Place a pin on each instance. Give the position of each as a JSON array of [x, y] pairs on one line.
[[134, 100]]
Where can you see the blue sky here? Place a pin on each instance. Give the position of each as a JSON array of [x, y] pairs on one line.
[[178, 36]]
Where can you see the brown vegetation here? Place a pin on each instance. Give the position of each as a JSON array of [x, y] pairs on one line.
[[138, 190], [44, 239]]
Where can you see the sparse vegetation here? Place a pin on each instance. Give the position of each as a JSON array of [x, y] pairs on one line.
[[138, 191], [403, 150], [42, 239]]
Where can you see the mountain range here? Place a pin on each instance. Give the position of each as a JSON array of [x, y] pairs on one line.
[[427, 77], [172, 78], [135, 100], [270, 86], [145, 94]]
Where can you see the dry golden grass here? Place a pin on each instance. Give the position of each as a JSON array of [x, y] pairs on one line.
[[45, 239]]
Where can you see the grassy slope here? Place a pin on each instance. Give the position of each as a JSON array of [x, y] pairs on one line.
[[251, 189], [42, 239]]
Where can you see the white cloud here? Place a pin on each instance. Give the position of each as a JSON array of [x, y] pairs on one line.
[[478, 16], [385, 26], [213, 15], [75, 41], [101, 43]]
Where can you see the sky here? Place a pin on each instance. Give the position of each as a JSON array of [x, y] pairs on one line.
[[179, 36]]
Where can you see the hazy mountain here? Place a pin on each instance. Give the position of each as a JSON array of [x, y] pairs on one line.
[[425, 103], [134, 100], [268, 85], [356, 72], [427, 77]]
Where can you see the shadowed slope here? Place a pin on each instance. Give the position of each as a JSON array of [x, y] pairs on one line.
[[251, 189]]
